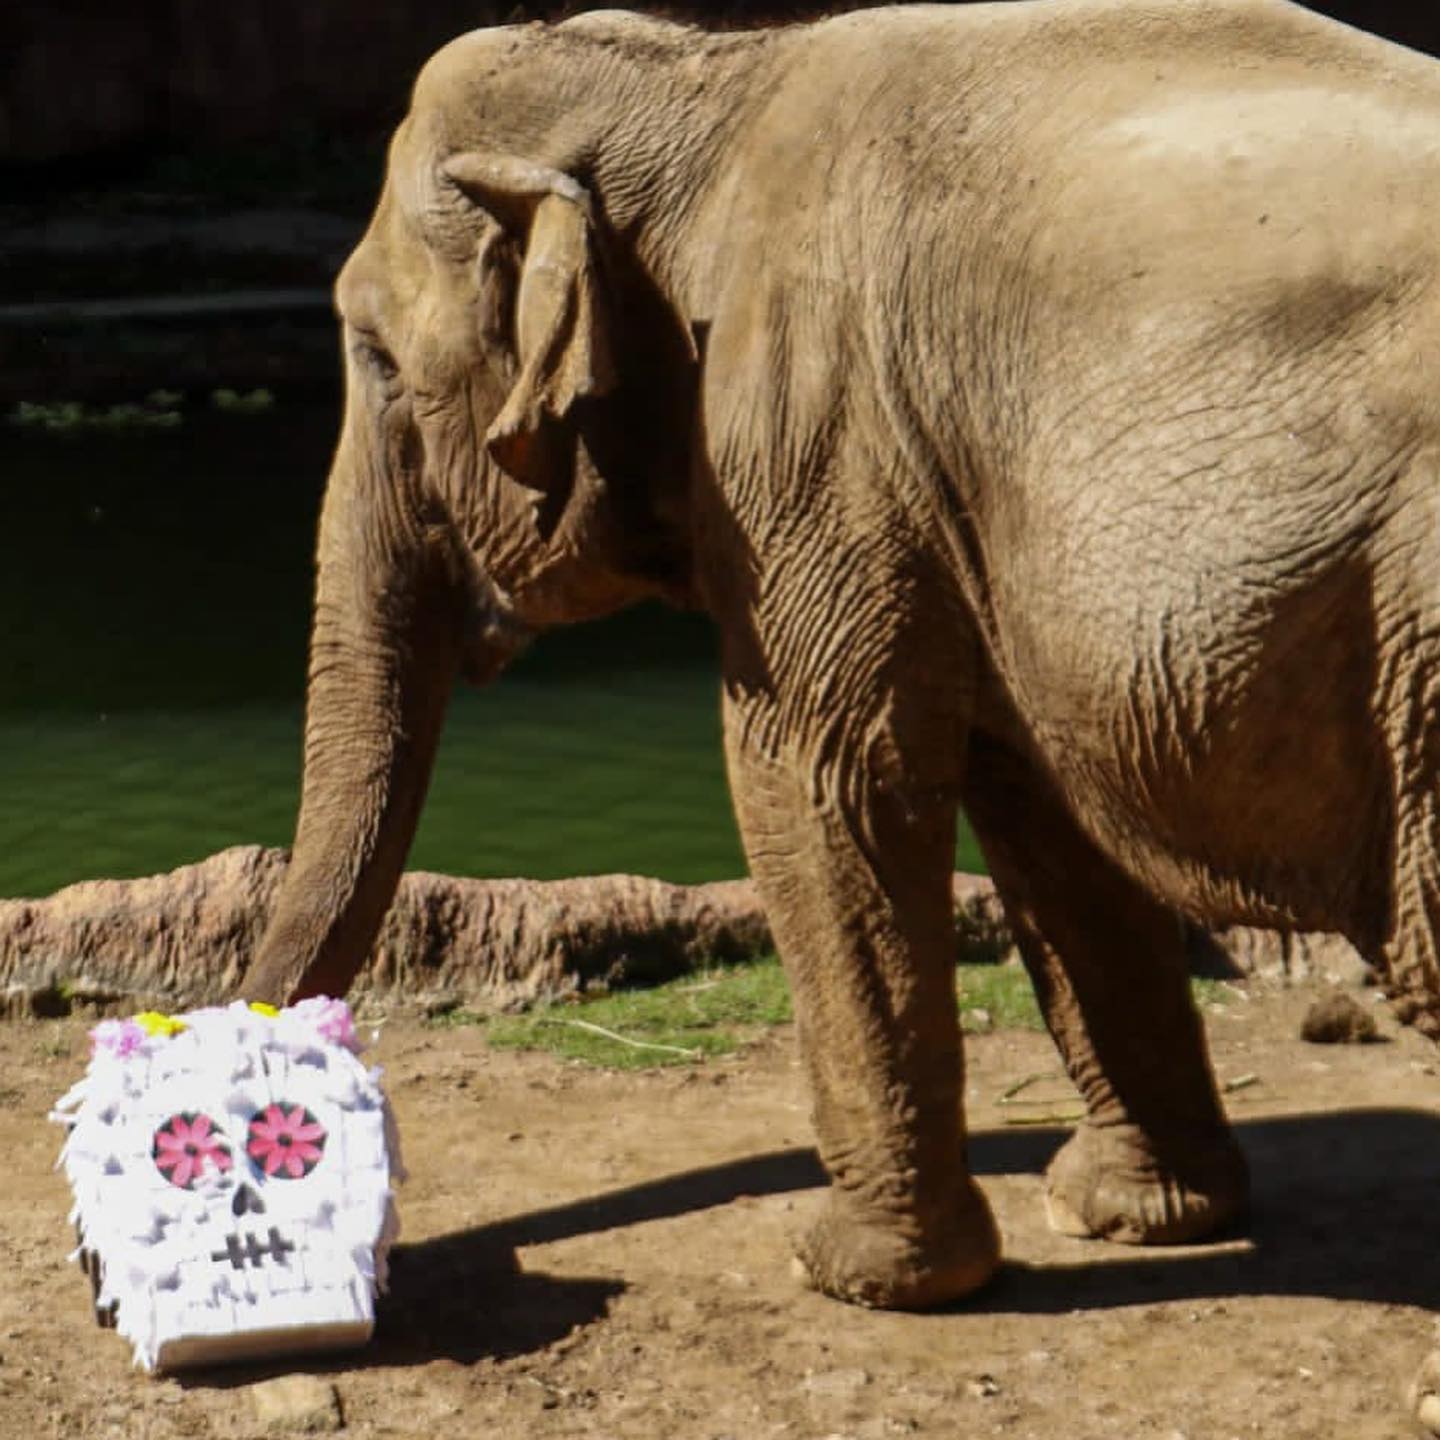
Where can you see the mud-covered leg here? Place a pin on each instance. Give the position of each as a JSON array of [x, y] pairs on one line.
[[1154, 1161], [1410, 947], [854, 866]]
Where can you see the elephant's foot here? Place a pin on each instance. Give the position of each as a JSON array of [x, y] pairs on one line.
[[882, 1267], [1423, 1397], [1107, 1184]]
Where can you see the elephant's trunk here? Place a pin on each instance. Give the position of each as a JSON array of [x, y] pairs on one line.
[[391, 617]]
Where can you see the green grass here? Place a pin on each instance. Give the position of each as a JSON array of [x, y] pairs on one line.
[[723, 1010], [1001, 992], [545, 778], [152, 674], [158, 411], [703, 1016]]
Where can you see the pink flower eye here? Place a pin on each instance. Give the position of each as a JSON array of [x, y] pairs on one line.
[[286, 1141], [186, 1147]]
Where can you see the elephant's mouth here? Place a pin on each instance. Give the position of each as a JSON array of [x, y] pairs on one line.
[[494, 635]]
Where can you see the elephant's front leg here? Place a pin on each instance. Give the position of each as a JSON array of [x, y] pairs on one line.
[[1154, 1162], [854, 869]]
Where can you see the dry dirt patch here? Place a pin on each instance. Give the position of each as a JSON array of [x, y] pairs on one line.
[[595, 1253]]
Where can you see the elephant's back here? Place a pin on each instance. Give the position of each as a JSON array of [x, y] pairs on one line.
[[1020, 111], [1101, 170]]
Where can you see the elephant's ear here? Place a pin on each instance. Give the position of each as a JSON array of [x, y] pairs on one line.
[[560, 327]]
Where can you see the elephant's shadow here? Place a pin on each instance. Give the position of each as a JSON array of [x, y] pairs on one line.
[[1343, 1209]]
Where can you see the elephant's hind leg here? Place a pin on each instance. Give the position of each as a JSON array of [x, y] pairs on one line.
[[1154, 1161], [1411, 946]]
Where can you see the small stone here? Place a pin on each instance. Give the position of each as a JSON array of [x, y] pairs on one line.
[[296, 1405], [1338, 1019], [982, 1387], [1350, 972]]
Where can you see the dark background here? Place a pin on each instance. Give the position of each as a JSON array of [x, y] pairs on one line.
[[100, 77]]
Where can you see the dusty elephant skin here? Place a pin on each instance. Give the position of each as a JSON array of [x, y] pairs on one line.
[[1038, 397]]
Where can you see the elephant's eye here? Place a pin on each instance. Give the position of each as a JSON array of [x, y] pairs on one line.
[[286, 1141], [374, 356], [186, 1147]]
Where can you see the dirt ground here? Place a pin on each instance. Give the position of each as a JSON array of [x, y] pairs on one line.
[[601, 1254]]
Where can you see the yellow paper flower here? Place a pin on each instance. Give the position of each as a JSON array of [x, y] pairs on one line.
[[261, 1008], [152, 1022]]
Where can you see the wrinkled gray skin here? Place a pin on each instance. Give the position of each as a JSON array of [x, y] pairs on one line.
[[1042, 400]]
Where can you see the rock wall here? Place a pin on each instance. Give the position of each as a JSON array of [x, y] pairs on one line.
[[184, 939]]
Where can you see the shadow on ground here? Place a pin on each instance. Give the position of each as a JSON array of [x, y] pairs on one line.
[[1343, 1209], [461, 1297]]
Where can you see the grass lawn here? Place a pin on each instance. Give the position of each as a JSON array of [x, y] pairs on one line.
[[720, 1011]]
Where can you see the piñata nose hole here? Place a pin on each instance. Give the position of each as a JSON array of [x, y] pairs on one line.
[[247, 1201]]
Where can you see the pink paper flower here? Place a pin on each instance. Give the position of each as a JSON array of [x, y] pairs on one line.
[[288, 1144], [185, 1147], [331, 1019], [116, 1037]]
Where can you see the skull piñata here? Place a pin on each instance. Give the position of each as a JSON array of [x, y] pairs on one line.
[[231, 1170]]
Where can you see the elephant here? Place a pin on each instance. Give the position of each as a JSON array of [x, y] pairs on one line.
[[1041, 400]]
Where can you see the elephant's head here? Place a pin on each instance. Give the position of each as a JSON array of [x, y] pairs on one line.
[[511, 458], [484, 384]]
